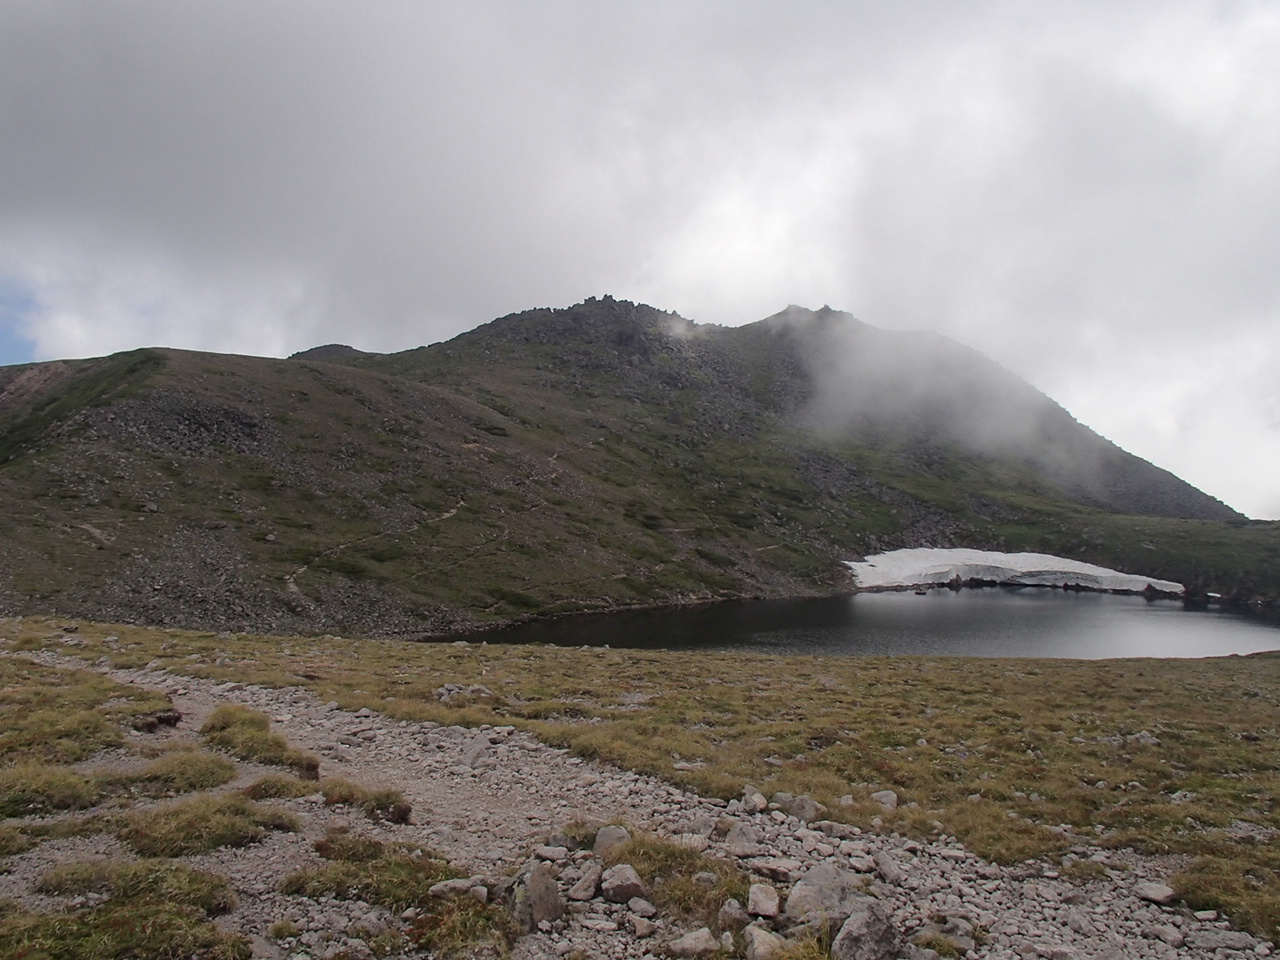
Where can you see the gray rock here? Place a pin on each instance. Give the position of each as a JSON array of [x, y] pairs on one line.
[[761, 944], [825, 893], [696, 944], [642, 907], [806, 809], [753, 801], [743, 840], [887, 799], [535, 897], [732, 916], [866, 934], [1160, 893], [587, 886], [643, 926], [1220, 940], [609, 839], [1164, 933], [762, 900], [620, 883], [475, 750], [888, 869]]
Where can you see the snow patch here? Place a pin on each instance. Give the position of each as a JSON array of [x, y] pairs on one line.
[[926, 566]]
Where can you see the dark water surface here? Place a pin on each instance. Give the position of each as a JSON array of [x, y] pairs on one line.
[[997, 622]]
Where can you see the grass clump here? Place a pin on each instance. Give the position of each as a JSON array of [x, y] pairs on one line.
[[156, 878], [201, 824], [278, 787], [14, 840], [669, 869], [35, 788], [1244, 887], [182, 771], [398, 878], [154, 911], [55, 715], [246, 733], [383, 804]]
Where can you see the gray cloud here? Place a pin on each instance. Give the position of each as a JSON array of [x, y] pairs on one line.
[[1088, 194]]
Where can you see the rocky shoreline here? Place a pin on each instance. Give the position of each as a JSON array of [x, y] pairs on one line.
[[520, 819]]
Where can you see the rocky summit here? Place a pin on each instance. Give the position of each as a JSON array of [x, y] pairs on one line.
[[601, 456]]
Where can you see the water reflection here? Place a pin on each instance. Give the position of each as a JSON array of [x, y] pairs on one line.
[[999, 622]]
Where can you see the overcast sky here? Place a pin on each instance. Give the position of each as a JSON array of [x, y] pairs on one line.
[[1088, 192]]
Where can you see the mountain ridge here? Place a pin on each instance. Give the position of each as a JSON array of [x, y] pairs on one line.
[[602, 455]]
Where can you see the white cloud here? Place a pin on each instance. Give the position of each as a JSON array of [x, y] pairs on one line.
[[1053, 184]]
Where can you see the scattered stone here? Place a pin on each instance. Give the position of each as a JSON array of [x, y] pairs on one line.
[[585, 888], [643, 927], [762, 900], [826, 894], [642, 907], [535, 897], [620, 883], [732, 916], [866, 934], [1160, 893], [887, 799], [609, 839], [888, 868], [696, 944], [761, 944]]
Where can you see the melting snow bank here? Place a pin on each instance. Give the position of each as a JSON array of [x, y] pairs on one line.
[[925, 566]]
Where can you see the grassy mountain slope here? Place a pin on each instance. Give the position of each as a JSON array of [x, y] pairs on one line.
[[553, 461]]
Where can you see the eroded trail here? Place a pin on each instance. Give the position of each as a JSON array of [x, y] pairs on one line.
[[491, 799]]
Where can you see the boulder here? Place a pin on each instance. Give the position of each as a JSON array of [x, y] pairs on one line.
[[888, 868], [826, 894], [743, 840], [866, 933], [609, 839], [762, 900], [589, 883], [620, 883], [887, 799], [696, 944], [761, 944], [535, 897], [1160, 893]]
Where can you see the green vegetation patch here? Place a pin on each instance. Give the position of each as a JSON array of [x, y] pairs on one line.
[[30, 789], [247, 734], [56, 715], [398, 877], [377, 804], [201, 824], [669, 870], [154, 911], [1163, 756]]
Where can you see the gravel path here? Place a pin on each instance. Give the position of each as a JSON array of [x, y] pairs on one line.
[[490, 799]]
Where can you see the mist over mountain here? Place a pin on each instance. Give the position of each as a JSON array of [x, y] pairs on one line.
[[557, 460]]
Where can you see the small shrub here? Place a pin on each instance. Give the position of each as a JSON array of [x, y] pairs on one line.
[[456, 926], [201, 824], [35, 788]]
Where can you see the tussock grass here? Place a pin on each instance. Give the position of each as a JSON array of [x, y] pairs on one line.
[[159, 878], [182, 771], [381, 804], [668, 869], [398, 878], [279, 787], [14, 840], [246, 733], [200, 824], [155, 911], [54, 715], [33, 788], [1041, 743], [461, 926]]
